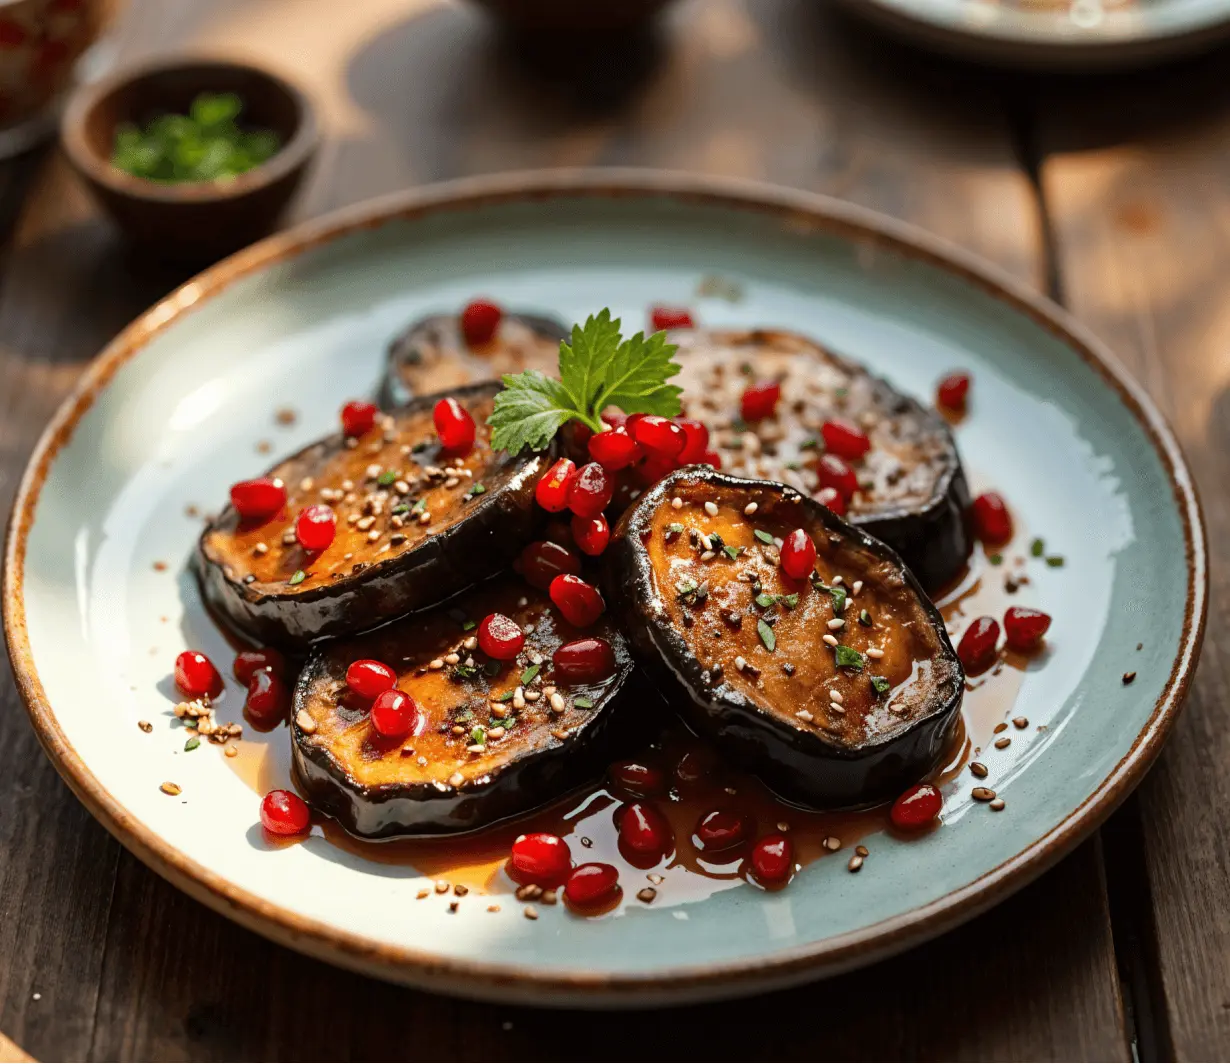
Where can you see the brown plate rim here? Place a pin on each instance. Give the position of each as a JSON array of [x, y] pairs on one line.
[[663, 986]]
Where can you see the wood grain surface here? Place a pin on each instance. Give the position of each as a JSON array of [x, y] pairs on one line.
[[100, 959]]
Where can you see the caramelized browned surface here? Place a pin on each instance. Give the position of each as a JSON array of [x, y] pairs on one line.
[[390, 492], [906, 457], [798, 676], [454, 704], [434, 356]]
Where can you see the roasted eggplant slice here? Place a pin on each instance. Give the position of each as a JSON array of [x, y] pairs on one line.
[[912, 491], [837, 690], [414, 526], [496, 738], [432, 354]]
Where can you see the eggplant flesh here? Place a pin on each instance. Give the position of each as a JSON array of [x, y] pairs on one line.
[[432, 355], [483, 754], [912, 492], [414, 526], [720, 624]]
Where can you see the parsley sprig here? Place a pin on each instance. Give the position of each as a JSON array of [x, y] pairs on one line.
[[598, 369]]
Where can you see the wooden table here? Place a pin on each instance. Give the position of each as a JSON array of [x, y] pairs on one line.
[[1111, 195]]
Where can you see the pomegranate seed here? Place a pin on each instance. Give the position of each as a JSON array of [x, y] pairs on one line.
[[798, 555], [977, 647], [613, 449], [579, 602], [268, 698], [315, 528], [590, 491], [543, 560], [591, 534], [712, 458], [760, 400], [250, 662], [358, 417], [721, 830], [992, 521], [671, 318], [396, 715], [454, 426], [589, 660], [479, 321], [845, 439], [1024, 627], [590, 885], [617, 419], [654, 468], [552, 490], [285, 813], [540, 859], [659, 435], [917, 807], [833, 499], [501, 637], [258, 500], [772, 859], [638, 779], [643, 830], [953, 391], [834, 473], [367, 678], [696, 441], [196, 676]]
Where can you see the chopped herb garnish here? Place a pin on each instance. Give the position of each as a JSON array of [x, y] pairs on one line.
[[420, 447], [419, 506], [684, 588], [478, 735], [1055, 561], [790, 600], [583, 703], [733, 552], [809, 444], [996, 559], [764, 600], [298, 578], [192, 743], [478, 489], [864, 618], [674, 527], [529, 674], [763, 536], [849, 658], [841, 393], [880, 685], [1037, 548], [767, 636], [505, 697], [464, 672], [401, 508], [839, 599], [491, 668], [793, 464], [387, 477], [463, 715], [468, 625]]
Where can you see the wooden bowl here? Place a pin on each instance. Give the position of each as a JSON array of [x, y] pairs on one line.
[[193, 221]]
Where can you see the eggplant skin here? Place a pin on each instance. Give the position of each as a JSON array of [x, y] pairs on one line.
[[443, 331], [487, 539], [800, 765], [533, 779]]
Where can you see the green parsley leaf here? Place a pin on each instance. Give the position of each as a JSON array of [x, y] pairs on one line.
[[478, 735], [839, 599], [1055, 561], [464, 672], [419, 506], [1037, 548], [298, 578], [387, 477], [583, 703], [636, 375], [733, 552], [192, 743], [809, 444], [764, 601], [849, 658], [880, 685], [468, 625], [763, 536], [529, 411], [530, 673], [505, 697], [478, 489], [790, 600], [401, 509], [767, 636]]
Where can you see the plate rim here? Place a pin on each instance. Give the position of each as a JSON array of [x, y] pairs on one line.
[[672, 985]]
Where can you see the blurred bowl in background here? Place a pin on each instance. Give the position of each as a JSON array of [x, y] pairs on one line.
[[198, 221], [574, 16], [40, 41]]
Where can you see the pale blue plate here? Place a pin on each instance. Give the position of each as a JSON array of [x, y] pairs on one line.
[[171, 414]]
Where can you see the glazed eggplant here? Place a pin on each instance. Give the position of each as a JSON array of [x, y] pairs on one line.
[[912, 491], [432, 355], [493, 739], [838, 689], [414, 526]]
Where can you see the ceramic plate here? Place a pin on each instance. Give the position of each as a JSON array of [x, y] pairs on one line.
[[97, 603], [1073, 35]]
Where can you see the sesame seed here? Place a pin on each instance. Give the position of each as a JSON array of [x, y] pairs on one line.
[[425, 517], [740, 662], [1128, 677], [436, 663], [862, 851], [533, 696], [306, 484], [750, 509], [373, 535], [363, 523], [557, 702], [518, 698], [835, 696], [707, 556], [171, 788], [306, 723], [803, 714], [978, 769], [560, 733], [456, 779], [997, 804], [452, 659], [982, 794], [1020, 722], [530, 912], [832, 843], [145, 726], [838, 708], [831, 640], [261, 549], [451, 482], [1001, 726], [646, 894], [470, 643], [442, 886], [493, 908], [677, 503], [423, 894], [835, 624], [782, 826], [855, 863], [231, 751], [856, 587], [711, 508], [496, 733], [837, 581], [1002, 742], [875, 653]]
